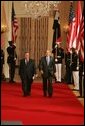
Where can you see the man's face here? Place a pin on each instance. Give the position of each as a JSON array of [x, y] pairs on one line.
[[48, 53], [27, 56]]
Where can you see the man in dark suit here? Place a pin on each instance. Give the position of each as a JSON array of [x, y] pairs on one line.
[[11, 60], [27, 72], [47, 68]]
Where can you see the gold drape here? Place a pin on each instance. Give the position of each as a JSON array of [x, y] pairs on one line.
[[33, 37]]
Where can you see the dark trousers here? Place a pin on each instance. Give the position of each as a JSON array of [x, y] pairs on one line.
[[12, 70], [1, 71], [69, 78], [81, 85], [47, 86], [26, 85], [2, 74]]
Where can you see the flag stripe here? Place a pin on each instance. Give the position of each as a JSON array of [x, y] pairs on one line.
[[14, 24], [77, 26], [82, 38], [70, 34], [76, 29]]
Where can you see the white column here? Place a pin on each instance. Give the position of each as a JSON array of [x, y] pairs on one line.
[[7, 35]]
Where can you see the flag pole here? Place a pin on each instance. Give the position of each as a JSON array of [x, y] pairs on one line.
[[55, 42], [83, 81], [71, 66], [12, 22]]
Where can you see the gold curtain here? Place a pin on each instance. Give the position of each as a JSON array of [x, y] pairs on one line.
[[33, 37]]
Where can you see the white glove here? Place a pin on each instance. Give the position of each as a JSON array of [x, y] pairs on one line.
[[56, 60], [41, 72], [36, 75], [14, 58], [33, 77], [59, 56]]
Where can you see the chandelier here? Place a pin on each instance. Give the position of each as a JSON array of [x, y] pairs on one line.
[[3, 28], [36, 9]]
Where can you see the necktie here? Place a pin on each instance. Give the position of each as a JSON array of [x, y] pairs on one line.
[[27, 62], [48, 60]]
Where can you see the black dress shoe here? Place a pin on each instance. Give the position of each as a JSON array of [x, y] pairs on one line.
[[56, 81], [75, 89], [11, 81], [59, 81], [80, 96], [29, 94], [50, 96], [45, 95], [24, 95]]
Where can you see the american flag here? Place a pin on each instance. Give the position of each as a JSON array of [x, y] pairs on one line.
[[78, 18], [14, 24], [81, 38], [78, 41], [70, 35], [57, 30]]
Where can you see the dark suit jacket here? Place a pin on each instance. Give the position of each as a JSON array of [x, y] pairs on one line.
[[48, 70], [27, 70]]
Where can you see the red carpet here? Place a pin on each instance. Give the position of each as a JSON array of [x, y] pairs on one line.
[[62, 109]]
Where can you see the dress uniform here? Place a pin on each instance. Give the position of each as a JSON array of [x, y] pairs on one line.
[[58, 56], [81, 78], [2, 62], [11, 60], [75, 69]]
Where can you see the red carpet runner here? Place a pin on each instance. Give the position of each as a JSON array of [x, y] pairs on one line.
[[62, 109]]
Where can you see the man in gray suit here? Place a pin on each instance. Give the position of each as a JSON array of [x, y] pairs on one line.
[[27, 71], [47, 68]]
